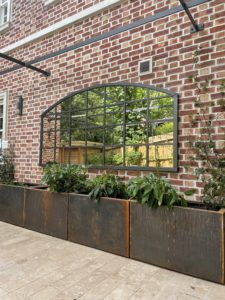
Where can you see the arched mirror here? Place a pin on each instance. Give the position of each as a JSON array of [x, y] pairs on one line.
[[115, 126]]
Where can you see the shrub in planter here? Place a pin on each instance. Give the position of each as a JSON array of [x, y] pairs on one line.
[[183, 239], [11, 196], [65, 178], [47, 211], [107, 185], [187, 239], [154, 191], [7, 167]]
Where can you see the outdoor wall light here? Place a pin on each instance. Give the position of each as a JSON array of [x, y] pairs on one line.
[[19, 105]]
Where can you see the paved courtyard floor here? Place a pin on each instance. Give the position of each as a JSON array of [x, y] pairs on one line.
[[36, 266]]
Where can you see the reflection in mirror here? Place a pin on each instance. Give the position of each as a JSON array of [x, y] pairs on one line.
[[136, 156], [162, 132], [94, 146], [136, 134], [161, 156], [124, 125], [95, 156], [114, 156], [136, 112], [161, 112], [95, 117], [78, 104], [78, 121], [114, 95], [135, 93], [157, 100], [96, 97], [114, 135], [95, 135], [114, 115], [48, 155]]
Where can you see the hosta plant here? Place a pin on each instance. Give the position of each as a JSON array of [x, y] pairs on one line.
[[107, 185], [65, 178], [154, 191]]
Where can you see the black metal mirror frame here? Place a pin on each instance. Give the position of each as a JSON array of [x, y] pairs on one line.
[[174, 119]]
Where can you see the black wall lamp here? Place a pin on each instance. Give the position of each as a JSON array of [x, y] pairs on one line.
[[19, 105]]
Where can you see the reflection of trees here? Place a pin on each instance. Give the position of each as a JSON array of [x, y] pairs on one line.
[[98, 116], [113, 97]]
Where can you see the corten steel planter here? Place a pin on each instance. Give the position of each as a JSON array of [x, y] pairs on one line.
[[187, 240], [12, 204], [103, 225], [46, 212]]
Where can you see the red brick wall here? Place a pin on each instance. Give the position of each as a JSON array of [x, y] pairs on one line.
[[167, 41]]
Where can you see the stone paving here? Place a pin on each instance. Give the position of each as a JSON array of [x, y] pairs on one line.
[[36, 266]]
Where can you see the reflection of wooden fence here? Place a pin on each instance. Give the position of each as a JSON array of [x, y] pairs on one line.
[[77, 152], [159, 153], [161, 156]]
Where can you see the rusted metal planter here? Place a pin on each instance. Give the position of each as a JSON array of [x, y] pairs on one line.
[[186, 240], [12, 204], [103, 225], [46, 212]]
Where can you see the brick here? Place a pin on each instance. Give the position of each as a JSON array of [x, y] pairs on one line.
[[167, 41]]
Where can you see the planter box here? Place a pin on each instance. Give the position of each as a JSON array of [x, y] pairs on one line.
[[12, 204], [186, 240], [46, 212], [103, 225]]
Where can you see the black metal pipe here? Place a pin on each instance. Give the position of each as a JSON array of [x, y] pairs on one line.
[[196, 27], [111, 33], [24, 64]]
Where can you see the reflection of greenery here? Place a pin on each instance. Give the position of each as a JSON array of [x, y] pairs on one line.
[[136, 115], [117, 159], [134, 158], [161, 112], [96, 159], [136, 134], [110, 159], [164, 128], [107, 122]]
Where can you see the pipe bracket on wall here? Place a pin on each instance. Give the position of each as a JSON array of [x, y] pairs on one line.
[[195, 26], [24, 64]]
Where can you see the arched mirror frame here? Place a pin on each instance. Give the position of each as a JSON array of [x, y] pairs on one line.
[[125, 86]]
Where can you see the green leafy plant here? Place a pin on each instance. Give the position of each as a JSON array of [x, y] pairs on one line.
[[65, 178], [7, 169], [95, 159], [117, 159], [134, 157], [154, 191], [206, 150], [107, 185], [110, 159]]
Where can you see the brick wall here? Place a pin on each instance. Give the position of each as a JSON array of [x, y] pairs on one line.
[[167, 41]]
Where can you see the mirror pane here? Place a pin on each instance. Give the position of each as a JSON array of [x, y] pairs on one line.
[[120, 126]]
